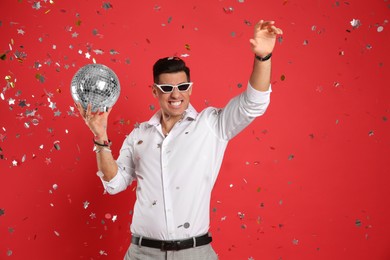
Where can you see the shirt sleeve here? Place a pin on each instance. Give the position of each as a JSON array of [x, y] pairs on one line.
[[240, 112], [125, 174]]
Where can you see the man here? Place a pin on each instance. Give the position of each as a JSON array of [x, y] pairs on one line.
[[176, 155]]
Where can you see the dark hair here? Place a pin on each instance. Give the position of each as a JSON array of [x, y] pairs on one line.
[[169, 65]]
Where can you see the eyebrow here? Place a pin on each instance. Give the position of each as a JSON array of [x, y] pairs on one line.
[[171, 83]]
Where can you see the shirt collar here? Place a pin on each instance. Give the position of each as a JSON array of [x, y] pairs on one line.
[[189, 114]]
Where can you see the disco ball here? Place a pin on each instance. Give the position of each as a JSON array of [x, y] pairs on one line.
[[96, 84]]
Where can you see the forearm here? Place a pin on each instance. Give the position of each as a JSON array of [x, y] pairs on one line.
[[105, 161], [260, 78]]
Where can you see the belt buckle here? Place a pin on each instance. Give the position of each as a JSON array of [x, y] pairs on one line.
[[170, 245]]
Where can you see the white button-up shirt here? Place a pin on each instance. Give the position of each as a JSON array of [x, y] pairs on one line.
[[175, 174]]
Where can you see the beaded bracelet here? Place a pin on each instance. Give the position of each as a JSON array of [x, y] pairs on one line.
[[105, 149]]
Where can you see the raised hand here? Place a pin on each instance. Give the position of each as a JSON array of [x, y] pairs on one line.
[[264, 37], [97, 122]]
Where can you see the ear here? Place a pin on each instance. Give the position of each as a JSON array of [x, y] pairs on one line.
[[154, 92], [190, 90]]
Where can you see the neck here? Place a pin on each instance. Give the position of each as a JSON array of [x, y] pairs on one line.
[[168, 121]]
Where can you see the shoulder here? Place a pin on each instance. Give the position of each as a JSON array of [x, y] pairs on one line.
[[209, 114]]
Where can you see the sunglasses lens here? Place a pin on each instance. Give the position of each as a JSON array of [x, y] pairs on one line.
[[166, 88], [183, 87]]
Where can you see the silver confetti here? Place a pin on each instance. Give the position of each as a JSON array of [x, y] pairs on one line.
[[355, 23]]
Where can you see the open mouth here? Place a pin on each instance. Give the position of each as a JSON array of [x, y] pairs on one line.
[[175, 103]]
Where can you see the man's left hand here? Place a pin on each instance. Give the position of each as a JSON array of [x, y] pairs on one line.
[[264, 38]]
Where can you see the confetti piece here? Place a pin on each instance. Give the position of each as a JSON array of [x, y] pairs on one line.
[[107, 5], [36, 5], [20, 31], [228, 10], [355, 23], [2, 212], [358, 223], [85, 204], [295, 241], [380, 29], [40, 77]]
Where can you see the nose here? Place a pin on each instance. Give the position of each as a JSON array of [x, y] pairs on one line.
[[175, 92]]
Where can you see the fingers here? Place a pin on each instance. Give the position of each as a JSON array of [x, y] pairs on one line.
[[269, 26], [88, 113], [275, 30], [90, 116], [80, 109], [82, 112]]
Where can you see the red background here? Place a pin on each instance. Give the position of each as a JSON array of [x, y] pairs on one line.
[[309, 180]]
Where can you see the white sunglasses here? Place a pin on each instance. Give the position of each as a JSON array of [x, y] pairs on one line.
[[168, 88]]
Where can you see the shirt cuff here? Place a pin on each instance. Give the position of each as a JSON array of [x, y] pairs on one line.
[[111, 185], [255, 95]]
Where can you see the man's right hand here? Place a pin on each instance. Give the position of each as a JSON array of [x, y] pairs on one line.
[[97, 122]]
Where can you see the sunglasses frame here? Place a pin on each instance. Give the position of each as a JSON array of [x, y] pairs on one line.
[[159, 86]]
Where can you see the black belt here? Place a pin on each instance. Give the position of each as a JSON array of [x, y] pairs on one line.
[[169, 245]]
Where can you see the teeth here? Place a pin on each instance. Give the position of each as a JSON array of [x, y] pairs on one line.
[[177, 103]]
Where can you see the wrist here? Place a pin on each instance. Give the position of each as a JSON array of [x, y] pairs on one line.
[[263, 58], [105, 142], [98, 149]]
